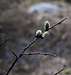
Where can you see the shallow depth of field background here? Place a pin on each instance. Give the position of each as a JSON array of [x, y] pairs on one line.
[[18, 23]]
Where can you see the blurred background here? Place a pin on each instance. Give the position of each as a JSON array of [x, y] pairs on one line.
[[19, 20]]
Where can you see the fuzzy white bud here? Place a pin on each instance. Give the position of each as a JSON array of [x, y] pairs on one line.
[[39, 34], [46, 25], [45, 34]]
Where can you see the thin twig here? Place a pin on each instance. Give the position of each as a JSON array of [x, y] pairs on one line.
[[60, 71], [32, 42], [57, 23], [13, 64], [3, 44], [40, 54]]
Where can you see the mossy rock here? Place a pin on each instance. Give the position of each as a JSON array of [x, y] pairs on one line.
[[67, 71]]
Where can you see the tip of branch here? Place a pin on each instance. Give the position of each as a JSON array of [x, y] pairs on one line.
[[62, 20], [13, 53], [58, 22]]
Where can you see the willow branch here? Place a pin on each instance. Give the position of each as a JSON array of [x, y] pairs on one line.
[[32, 42]]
